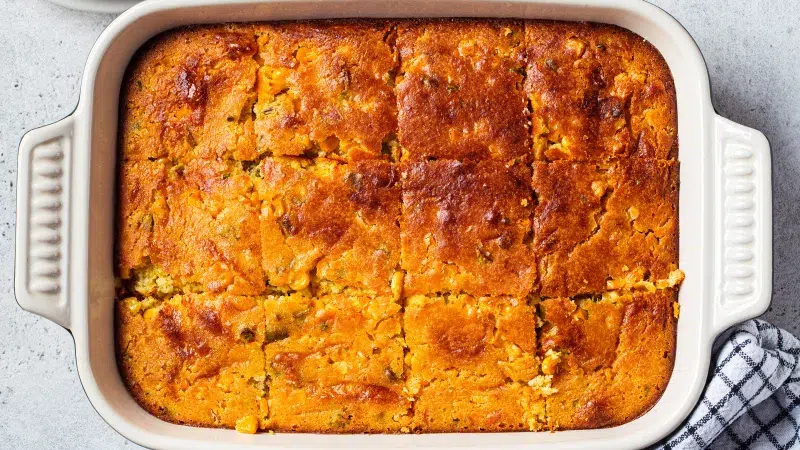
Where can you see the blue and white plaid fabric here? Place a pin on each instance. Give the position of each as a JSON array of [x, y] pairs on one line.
[[752, 395]]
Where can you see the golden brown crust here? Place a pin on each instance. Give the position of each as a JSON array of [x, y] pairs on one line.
[[205, 228], [482, 340], [189, 93], [142, 185], [335, 364], [470, 361], [326, 88], [450, 103], [598, 92], [466, 227], [345, 226], [211, 234], [445, 407], [605, 226], [616, 356], [194, 359], [336, 222]]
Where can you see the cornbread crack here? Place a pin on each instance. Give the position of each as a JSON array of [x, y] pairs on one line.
[[473, 363], [606, 226], [597, 92], [335, 363], [327, 89], [194, 359], [615, 351], [450, 103], [466, 227]]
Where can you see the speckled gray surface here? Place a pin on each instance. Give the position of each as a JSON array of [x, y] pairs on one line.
[[749, 46]]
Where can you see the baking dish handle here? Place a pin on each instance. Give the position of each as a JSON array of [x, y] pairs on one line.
[[43, 180], [744, 224]]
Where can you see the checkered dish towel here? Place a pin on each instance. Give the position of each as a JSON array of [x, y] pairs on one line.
[[752, 396]]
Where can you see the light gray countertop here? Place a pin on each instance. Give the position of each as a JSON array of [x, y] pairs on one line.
[[749, 47]]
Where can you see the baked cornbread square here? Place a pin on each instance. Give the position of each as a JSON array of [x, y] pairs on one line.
[[326, 89], [598, 92], [466, 227], [473, 363], [460, 90], [194, 359], [189, 94], [606, 226], [611, 356], [329, 225], [201, 229], [484, 340], [335, 363]]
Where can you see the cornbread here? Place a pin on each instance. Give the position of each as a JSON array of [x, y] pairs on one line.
[[195, 359], [605, 226], [194, 226], [397, 226], [616, 354], [447, 69], [189, 95], [465, 227], [326, 89], [334, 223], [471, 359], [335, 363], [597, 92], [142, 191]]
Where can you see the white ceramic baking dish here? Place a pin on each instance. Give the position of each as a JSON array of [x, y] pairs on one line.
[[65, 218]]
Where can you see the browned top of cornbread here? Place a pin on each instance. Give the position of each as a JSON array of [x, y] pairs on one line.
[[211, 233], [392, 226], [194, 359], [605, 226], [598, 92], [196, 224], [189, 93], [325, 88], [466, 227], [460, 90], [142, 191], [614, 356], [335, 363], [482, 346], [481, 341], [337, 223]]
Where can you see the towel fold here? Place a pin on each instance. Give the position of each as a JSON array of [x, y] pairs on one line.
[[752, 395]]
